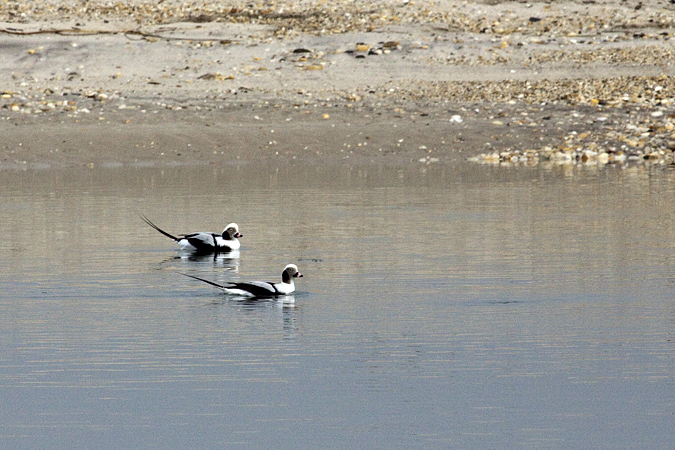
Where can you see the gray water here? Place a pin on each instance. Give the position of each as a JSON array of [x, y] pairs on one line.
[[454, 306]]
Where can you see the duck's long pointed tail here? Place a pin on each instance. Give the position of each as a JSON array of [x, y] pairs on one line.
[[146, 220], [220, 286]]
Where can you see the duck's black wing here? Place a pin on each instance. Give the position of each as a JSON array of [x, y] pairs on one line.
[[203, 242], [256, 288]]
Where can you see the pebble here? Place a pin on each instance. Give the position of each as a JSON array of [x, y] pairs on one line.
[[323, 17], [625, 144], [615, 92]]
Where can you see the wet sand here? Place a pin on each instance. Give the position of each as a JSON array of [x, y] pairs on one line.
[[165, 83]]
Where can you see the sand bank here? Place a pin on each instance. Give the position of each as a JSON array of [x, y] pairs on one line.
[[142, 82]]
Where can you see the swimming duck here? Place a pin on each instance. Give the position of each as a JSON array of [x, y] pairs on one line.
[[259, 289], [203, 241]]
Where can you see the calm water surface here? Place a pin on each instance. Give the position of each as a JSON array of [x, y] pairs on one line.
[[442, 307]]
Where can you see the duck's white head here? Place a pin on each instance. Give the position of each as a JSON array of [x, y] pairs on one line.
[[231, 232], [290, 272]]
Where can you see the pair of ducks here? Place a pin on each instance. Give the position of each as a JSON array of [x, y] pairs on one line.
[[206, 242]]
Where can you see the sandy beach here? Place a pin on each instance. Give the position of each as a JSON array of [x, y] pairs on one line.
[[387, 82]]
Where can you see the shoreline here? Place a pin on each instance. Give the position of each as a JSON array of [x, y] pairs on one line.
[[443, 82]]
